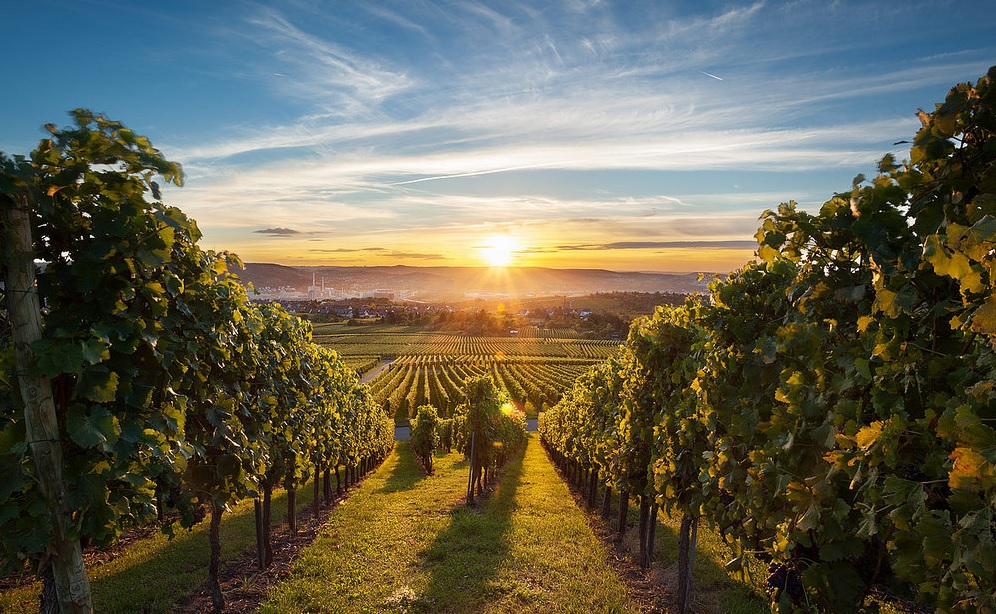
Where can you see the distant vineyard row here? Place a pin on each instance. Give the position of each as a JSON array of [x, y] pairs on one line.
[[431, 367], [407, 344], [413, 381]]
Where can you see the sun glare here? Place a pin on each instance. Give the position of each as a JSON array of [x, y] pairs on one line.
[[500, 250]]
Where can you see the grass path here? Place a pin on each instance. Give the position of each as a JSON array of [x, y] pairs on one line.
[[154, 573], [404, 542]]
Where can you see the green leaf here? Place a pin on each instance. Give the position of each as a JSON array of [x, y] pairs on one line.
[[937, 544], [811, 519], [229, 466], [12, 437], [862, 366], [840, 550], [57, 357], [94, 351], [174, 285], [98, 384], [12, 479], [91, 430]]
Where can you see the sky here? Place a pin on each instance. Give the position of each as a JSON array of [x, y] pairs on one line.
[[624, 135]]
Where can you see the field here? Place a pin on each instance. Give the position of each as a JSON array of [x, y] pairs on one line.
[[534, 366]]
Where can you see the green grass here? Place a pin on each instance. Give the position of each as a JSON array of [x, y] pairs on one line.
[[404, 542], [407, 543], [153, 574], [713, 589]]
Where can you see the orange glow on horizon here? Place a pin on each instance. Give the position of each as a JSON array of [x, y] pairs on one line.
[[492, 252]]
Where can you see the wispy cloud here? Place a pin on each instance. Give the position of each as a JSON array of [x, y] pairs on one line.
[[468, 123], [658, 245], [336, 79], [346, 250], [280, 232], [416, 256]]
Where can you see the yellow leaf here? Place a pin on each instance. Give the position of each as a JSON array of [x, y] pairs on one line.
[[972, 282], [844, 441], [968, 470], [868, 435], [957, 265], [767, 253], [984, 318], [885, 301]]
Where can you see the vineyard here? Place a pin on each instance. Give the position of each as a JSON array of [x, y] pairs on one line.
[[430, 367], [137, 356], [830, 409]]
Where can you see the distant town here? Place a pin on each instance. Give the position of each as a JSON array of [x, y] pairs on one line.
[[594, 303], [453, 284]]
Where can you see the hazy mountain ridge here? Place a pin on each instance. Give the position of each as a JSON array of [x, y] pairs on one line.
[[450, 282]]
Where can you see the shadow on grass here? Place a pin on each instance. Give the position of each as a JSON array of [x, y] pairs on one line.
[[406, 473], [713, 588], [464, 560], [461, 464], [138, 582]]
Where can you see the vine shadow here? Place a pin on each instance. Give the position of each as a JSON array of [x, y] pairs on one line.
[[713, 588], [464, 560], [406, 473]]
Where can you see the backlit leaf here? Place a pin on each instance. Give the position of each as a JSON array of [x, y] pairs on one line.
[[984, 317]]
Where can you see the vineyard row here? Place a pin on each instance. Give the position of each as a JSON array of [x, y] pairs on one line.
[[435, 344], [168, 394], [831, 408], [412, 381]]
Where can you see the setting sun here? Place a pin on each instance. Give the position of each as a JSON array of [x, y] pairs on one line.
[[499, 251]]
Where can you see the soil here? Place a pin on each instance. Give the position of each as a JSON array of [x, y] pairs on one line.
[[244, 585], [649, 589]]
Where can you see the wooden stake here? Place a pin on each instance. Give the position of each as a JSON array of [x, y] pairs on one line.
[[71, 582]]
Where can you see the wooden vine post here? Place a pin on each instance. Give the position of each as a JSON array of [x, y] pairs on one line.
[[42, 429], [473, 467], [686, 560]]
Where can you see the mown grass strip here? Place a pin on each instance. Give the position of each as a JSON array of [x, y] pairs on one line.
[[713, 588], [406, 542], [154, 574]]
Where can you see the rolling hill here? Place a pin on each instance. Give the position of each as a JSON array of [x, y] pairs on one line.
[[434, 283]]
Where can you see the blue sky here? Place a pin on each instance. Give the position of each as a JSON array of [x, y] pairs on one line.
[[576, 133]]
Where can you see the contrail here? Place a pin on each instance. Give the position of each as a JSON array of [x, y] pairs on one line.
[[475, 173], [711, 75]]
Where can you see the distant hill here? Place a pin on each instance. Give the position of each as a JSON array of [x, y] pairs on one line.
[[450, 283], [264, 275]]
